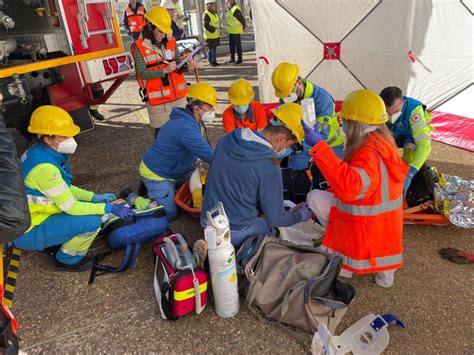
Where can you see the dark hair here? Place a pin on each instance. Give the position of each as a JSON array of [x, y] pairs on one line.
[[390, 94], [194, 103], [147, 33], [271, 129]]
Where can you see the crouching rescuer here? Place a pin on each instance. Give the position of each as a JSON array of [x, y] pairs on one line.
[[61, 214], [245, 175], [363, 213], [170, 161]]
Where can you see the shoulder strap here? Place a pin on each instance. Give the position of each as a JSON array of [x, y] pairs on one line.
[[160, 293], [128, 261]]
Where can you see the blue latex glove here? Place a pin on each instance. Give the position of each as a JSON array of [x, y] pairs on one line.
[[103, 198], [408, 179], [123, 212], [325, 134], [311, 135], [305, 212]]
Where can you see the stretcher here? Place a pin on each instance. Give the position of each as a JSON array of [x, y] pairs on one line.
[[424, 214], [184, 200]]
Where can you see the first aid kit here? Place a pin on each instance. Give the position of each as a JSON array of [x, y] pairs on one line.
[[180, 284]]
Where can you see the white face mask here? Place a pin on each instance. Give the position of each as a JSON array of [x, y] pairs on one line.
[[68, 146], [208, 116], [291, 98], [394, 118]]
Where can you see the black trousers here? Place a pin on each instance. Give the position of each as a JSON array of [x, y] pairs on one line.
[[235, 45]]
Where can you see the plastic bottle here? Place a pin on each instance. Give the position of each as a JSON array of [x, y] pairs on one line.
[[222, 263], [197, 183], [309, 111]]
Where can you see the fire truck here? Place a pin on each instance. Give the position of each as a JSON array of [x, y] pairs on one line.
[[67, 53]]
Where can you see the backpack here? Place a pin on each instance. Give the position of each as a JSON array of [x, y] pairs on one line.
[[294, 285], [179, 283], [129, 235], [422, 186]]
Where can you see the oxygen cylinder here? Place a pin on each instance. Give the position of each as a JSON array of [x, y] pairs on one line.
[[221, 255]]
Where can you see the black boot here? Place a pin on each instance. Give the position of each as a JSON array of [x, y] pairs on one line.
[[85, 264], [97, 115]]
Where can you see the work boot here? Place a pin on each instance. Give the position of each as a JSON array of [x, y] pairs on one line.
[[85, 264], [52, 250], [97, 115], [216, 64], [238, 62], [230, 61]]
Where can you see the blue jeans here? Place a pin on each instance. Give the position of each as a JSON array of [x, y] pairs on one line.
[[260, 226], [163, 192], [211, 55], [75, 233]]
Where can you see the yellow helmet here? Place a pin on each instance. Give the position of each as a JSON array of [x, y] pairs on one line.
[[284, 79], [160, 18], [240, 92], [204, 92], [364, 106], [291, 114], [52, 121]]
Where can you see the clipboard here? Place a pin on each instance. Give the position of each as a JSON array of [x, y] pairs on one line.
[[191, 55]]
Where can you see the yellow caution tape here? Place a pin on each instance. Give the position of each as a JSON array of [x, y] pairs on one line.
[[12, 274]]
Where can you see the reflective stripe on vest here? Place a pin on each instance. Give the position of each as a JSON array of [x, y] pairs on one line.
[[385, 206], [380, 262], [233, 25], [159, 94], [214, 22], [39, 200]]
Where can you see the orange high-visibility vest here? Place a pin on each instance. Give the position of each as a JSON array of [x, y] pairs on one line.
[[136, 22], [231, 122], [366, 218], [160, 90]]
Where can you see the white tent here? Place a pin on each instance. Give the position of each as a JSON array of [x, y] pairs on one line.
[[425, 47]]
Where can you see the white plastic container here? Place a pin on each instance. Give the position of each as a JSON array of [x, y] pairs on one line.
[[309, 111], [222, 263]]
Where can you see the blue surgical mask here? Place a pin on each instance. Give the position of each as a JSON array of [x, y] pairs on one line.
[[241, 108], [284, 153]]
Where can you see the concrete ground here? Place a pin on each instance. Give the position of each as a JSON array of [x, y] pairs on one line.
[[60, 313]]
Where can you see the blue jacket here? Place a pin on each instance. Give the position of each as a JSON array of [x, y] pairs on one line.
[[41, 154], [179, 144], [243, 174], [402, 128], [177, 33], [323, 101]]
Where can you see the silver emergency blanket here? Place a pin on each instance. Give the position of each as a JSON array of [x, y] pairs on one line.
[[454, 197]]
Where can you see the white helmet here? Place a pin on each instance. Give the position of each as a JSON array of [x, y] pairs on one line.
[[168, 4], [207, 2]]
